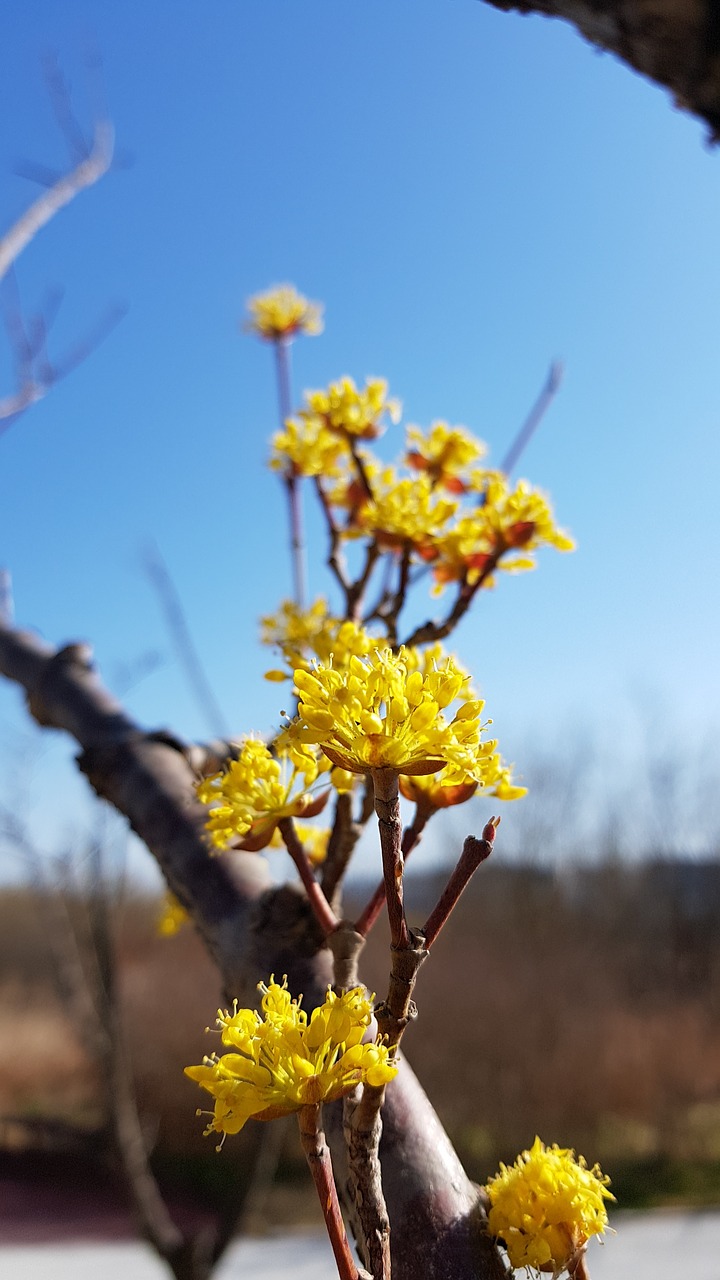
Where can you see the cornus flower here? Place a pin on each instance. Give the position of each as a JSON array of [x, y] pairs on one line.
[[501, 533], [314, 841], [382, 712], [254, 793], [443, 453], [307, 635], [307, 447], [404, 513], [351, 411], [172, 916], [282, 312], [546, 1206], [282, 1060], [432, 792]]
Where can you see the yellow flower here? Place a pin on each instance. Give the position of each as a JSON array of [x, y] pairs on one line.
[[352, 412], [256, 791], [308, 447], [282, 312], [546, 1206], [507, 521], [432, 791], [314, 841], [305, 635], [443, 453], [172, 916], [404, 512], [382, 712], [282, 1061]]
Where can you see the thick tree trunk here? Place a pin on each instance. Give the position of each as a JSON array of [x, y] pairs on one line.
[[252, 930], [673, 42]]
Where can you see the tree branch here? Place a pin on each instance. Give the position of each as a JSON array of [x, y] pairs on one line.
[[252, 930], [85, 174], [676, 43]]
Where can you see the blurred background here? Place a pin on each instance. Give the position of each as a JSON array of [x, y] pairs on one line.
[[472, 195]]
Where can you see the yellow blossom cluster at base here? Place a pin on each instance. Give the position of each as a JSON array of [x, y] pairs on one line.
[[546, 1206], [283, 1060], [382, 712]]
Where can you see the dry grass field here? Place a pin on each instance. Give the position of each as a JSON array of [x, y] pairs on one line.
[[584, 1007]]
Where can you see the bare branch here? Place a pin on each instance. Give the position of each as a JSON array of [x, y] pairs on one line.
[[178, 627], [85, 174]]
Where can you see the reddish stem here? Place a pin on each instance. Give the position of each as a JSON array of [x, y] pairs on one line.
[[322, 910], [411, 837], [318, 1157], [474, 852], [387, 808]]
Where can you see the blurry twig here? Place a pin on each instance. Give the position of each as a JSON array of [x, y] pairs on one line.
[[34, 372], [177, 625], [534, 418]]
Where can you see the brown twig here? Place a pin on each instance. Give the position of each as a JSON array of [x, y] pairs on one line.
[[431, 631], [177, 624], [357, 589], [321, 908], [317, 1154], [362, 1128], [473, 853], [335, 561], [410, 838], [343, 839], [387, 808]]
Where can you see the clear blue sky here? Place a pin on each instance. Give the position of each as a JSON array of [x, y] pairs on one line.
[[471, 194]]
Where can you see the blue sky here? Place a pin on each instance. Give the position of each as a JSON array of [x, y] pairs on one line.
[[471, 194]]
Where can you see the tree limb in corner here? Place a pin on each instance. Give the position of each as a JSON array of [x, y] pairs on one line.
[[676, 43]]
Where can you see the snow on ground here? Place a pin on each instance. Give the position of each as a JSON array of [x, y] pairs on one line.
[[653, 1246]]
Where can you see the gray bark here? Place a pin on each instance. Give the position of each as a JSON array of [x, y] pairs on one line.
[[252, 930], [676, 43]]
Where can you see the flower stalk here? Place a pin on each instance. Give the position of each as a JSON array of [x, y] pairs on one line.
[[317, 1154], [387, 808], [292, 487], [321, 908]]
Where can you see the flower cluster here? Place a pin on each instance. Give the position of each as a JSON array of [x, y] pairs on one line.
[[501, 532], [282, 1061], [431, 792], [313, 634], [172, 916], [403, 512], [307, 447], [351, 411], [383, 712], [546, 1206], [282, 312], [256, 791], [443, 453]]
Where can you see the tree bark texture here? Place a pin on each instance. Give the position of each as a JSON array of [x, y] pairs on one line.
[[676, 43], [253, 929]]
